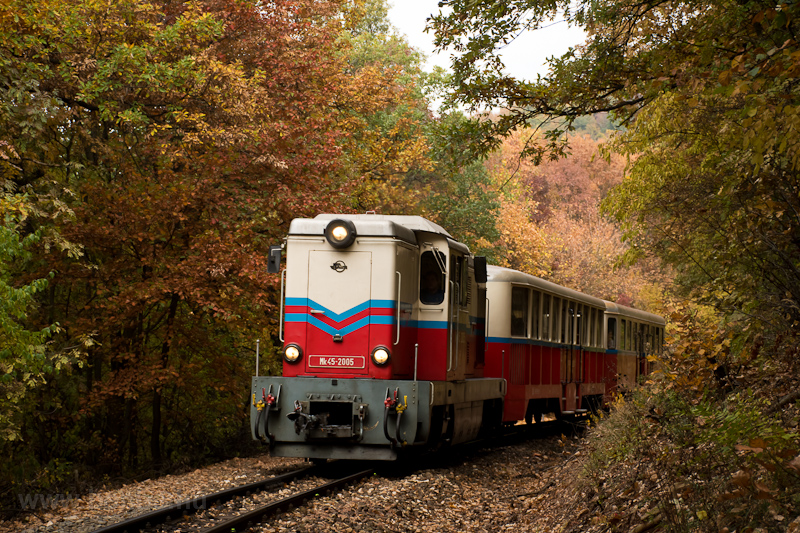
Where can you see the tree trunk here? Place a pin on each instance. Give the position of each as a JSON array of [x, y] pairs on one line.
[[155, 436]]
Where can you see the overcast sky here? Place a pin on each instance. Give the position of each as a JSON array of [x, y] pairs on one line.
[[524, 57]]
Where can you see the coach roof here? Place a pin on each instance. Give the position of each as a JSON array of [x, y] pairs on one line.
[[635, 314], [507, 275]]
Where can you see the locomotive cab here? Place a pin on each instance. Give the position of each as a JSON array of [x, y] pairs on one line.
[[383, 341]]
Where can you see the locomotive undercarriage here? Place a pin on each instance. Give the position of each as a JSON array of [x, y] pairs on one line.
[[323, 418]]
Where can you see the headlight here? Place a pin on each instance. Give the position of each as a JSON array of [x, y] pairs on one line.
[[380, 356], [292, 353], [340, 233]]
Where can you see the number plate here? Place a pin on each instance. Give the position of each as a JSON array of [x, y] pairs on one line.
[[337, 361]]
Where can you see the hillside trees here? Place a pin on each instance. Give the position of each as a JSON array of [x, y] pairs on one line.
[[170, 134], [710, 96], [552, 226]]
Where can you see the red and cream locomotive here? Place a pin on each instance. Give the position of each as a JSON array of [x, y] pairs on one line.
[[384, 322], [383, 342]]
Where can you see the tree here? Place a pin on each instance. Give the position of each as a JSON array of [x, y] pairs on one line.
[[24, 358], [163, 146], [406, 157]]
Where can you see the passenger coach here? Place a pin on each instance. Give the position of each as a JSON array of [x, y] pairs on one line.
[[547, 342], [557, 347], [632, 338]]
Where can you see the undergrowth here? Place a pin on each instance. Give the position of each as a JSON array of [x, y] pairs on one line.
[[691, 452]]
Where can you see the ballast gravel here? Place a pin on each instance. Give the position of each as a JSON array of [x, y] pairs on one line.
[[523, 487]]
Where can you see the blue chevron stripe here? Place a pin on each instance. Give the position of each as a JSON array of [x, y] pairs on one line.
[[358, 324], [339, 317]]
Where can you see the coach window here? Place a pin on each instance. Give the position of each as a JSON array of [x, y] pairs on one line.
[[546, 314], [623, 328], [629, 336], [640, 337], [586, 324], [589, 321], [597, 327], [611, 341], [535, 314], [519, 312], [600, 328], [589, 326], [556, 332]]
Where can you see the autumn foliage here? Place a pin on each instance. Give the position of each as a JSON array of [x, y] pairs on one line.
[[160, 148]]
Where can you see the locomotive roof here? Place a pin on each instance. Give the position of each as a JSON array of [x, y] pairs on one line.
[[636, 314], [496, 273], [402, 227]]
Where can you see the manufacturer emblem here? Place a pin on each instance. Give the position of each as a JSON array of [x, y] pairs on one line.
[[339, 266]]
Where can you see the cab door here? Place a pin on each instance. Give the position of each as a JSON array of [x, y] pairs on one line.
[[458, 317]]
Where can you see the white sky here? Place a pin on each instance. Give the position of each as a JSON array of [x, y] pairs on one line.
[[523, 58]]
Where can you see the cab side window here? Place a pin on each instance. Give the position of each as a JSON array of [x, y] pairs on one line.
[[431, 278]]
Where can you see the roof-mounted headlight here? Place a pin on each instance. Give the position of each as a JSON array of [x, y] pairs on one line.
[[292, 353], [340, 233], [381, 356]]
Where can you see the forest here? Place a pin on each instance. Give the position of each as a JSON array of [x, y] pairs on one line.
[[151, 151]]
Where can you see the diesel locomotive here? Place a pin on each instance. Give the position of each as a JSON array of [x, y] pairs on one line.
[[396, 338]]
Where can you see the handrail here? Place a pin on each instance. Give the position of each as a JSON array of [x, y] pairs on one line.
[[416, 357], [283, 303], [399, 281], [450, 331], [486, 322], [457, 317]]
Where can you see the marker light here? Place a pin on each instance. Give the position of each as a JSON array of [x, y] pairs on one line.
[[340, 233], [380, 356], [292, 353]]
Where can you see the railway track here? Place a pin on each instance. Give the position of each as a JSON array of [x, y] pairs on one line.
[[337, 475], [165, 519]]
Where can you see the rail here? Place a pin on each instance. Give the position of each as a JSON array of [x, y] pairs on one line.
[[177, 510]]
